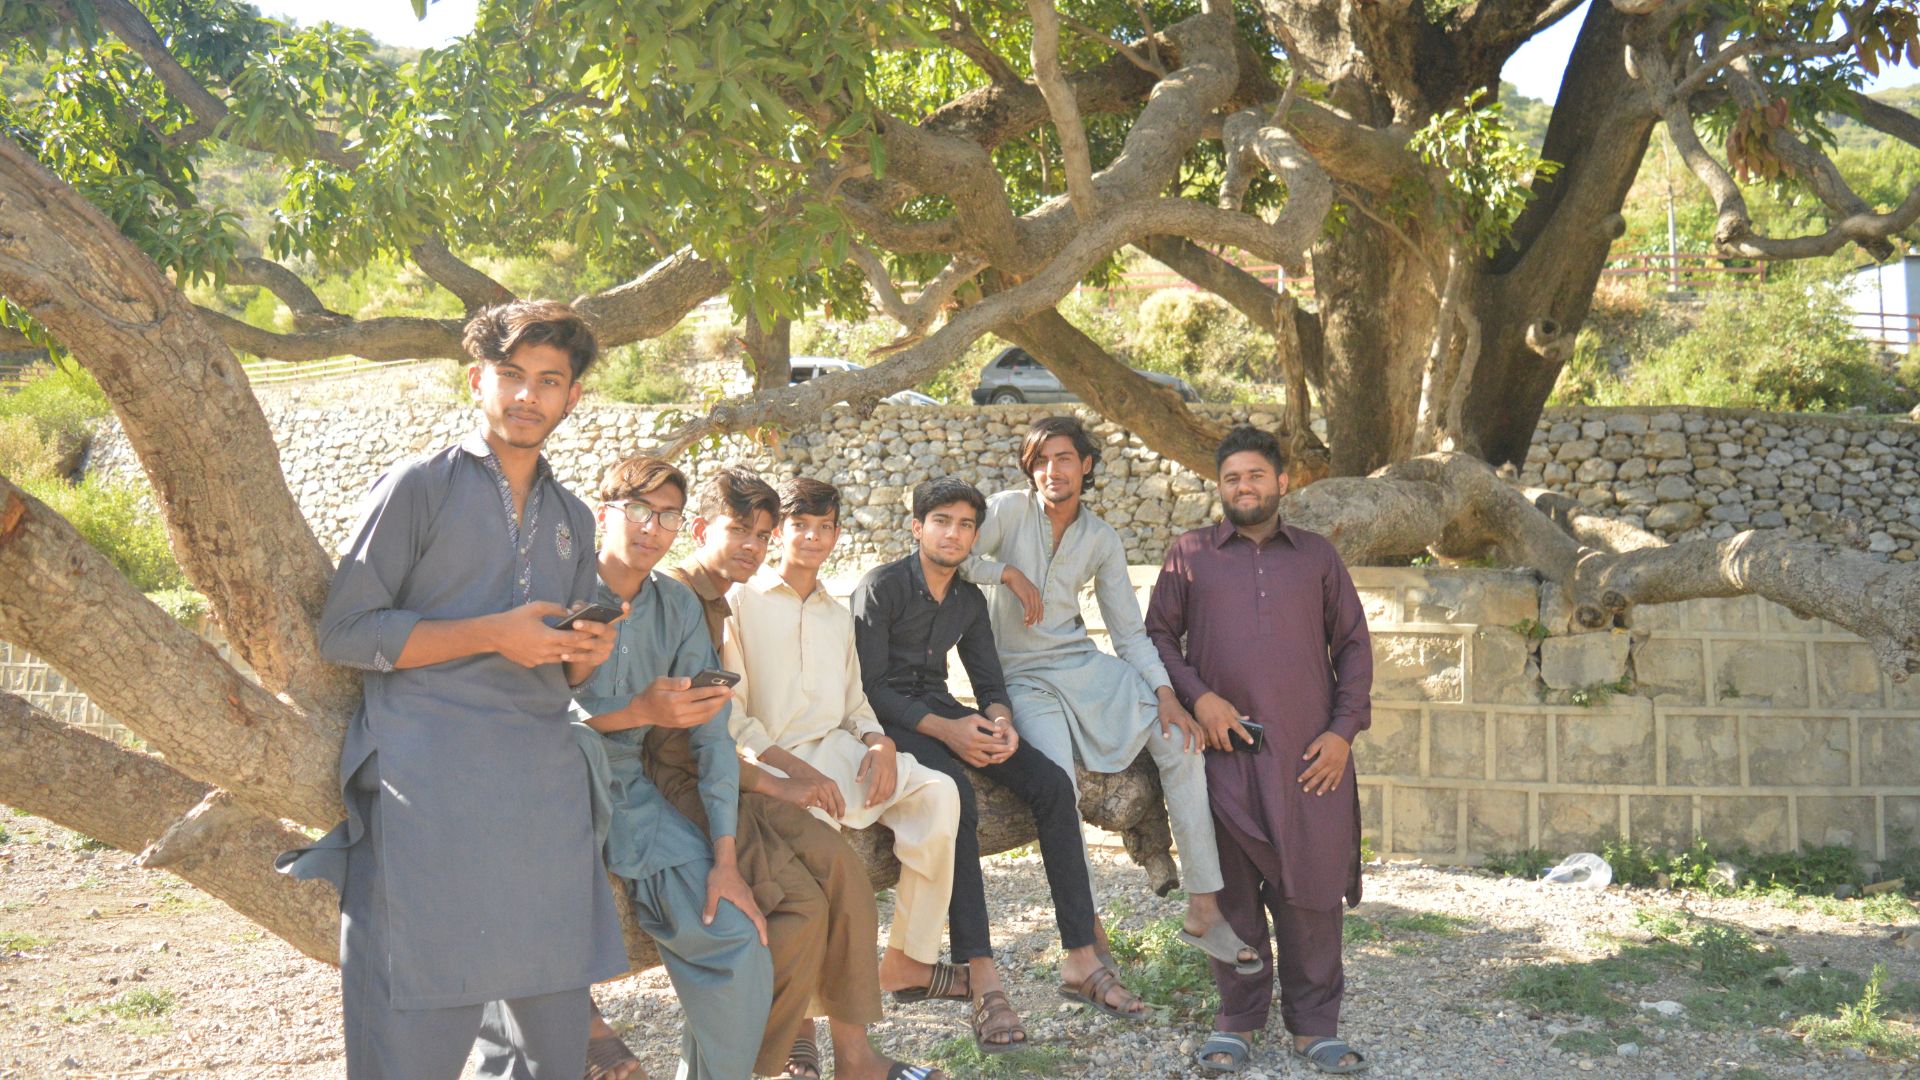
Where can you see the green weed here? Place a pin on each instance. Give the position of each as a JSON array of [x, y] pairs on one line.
[[1428, 922], [1863, 1025], [1530, 863], [141, 1003], [1162, 971], [1356, 929], [1594, 695], [1531, 629], [960, 1058], [13, 941]]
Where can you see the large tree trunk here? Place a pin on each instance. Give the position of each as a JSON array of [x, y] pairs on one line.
[[1532, 299], [131, 800], [1377, 306]]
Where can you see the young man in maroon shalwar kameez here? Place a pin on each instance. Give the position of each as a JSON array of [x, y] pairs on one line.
[[1273, 632]]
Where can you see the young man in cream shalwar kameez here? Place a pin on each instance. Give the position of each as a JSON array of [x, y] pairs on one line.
[[800, 708]]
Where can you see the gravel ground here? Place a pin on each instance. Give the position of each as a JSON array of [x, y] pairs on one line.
[[108, 970]]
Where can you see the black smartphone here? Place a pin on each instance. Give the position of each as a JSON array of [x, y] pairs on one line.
[[590, 613], [1257, 730], [714, 677]]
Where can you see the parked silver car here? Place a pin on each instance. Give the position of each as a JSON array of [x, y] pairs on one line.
[[806, 367], [1015, 376]]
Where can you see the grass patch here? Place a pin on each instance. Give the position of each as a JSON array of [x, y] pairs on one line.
[[1428, 922], [1529, 864], [1162, 971], [141, 1003], [1356, 929], [1595, 988], [1601, 1043], [960, 1058], [13, 941], [1862, 1024], [1879, 908], [1012, 853]]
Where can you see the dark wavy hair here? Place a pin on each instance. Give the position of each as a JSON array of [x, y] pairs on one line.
[[738, 494], [1049, 427], [496, 333], [805, 495], [1244, 438]]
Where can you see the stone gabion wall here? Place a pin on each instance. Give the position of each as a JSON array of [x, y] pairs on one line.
[[1683, 473], [1695, 473]]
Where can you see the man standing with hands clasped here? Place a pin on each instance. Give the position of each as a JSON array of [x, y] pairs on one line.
[[1274, 633]]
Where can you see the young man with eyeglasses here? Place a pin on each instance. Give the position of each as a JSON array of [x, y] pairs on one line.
[[678, 877]]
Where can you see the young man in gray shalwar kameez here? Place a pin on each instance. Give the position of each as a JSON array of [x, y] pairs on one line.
[[472, 897], [1070, 699]]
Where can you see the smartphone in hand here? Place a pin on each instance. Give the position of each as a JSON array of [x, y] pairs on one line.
[[1257, 730], [600, 613], [714, 677]]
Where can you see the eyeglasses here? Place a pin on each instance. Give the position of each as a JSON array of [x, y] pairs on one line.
[[640, 514]]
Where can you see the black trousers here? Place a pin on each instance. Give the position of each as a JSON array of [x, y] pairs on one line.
[[1048, 793]]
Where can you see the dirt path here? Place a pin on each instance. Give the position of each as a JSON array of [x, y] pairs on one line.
[[107, 970]]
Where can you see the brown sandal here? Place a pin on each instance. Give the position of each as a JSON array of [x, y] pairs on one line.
[[1093, 990], [942, 985], [607, 1053], [993, 1015]]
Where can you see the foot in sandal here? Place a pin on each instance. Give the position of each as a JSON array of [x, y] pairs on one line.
[[996, 1027], [1329, 1054], [608, 1058], [854, 1058], [1085, 978], [1224, 1052]]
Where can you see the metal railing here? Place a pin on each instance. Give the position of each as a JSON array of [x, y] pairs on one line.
[[278, 372], [1888, 330]]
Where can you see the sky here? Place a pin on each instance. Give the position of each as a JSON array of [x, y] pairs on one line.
[[1535, 69]]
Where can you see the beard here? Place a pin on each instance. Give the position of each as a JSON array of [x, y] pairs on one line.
[[940, 560], [1258, 514]]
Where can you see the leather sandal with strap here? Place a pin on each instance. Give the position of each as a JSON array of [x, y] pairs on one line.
[[993, 1015], [607, 1053], [942, 985], [1093, 990], [803, 1060]]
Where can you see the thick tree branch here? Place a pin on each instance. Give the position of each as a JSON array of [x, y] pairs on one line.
[[177, 389], [1137, 403], [129, 799], [1064, 107], [475, 289], [916, 316], [794, 406], [64, 602], [1884, 118], [309, 314]]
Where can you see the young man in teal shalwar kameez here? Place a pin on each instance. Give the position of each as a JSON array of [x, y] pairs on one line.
[[688, 894]]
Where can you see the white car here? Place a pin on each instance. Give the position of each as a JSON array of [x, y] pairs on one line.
[[806, 367]]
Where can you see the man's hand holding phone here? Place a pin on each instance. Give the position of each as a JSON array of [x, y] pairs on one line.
[[1222, 722]]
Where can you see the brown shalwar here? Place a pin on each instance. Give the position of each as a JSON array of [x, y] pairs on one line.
[[1278, 631], [822, 921]]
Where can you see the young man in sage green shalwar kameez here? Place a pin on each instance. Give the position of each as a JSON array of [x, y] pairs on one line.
[[1042, 545]]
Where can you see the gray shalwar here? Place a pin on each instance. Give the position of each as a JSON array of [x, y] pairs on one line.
[[471, 887], [721, 973], [1069, 698]]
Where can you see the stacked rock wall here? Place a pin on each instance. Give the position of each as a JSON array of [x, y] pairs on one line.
[[1682, 473]]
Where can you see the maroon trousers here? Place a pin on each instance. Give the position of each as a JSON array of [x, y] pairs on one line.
[[1302, 947]]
